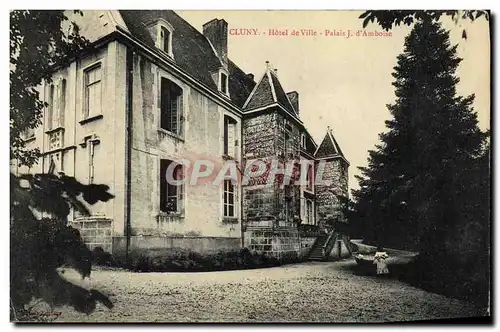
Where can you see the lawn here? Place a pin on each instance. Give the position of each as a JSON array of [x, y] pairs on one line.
[[307, 292]]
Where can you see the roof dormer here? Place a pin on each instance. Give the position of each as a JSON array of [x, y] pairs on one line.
[[162, 32], [221, 78]]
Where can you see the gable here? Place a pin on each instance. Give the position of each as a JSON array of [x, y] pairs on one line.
[[262, 95], [94, 24]]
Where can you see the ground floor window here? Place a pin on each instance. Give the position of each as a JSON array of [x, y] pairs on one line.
[[228, 197], [309, 212], [171, 191]]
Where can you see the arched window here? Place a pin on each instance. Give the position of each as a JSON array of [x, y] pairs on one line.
[[164, 32]]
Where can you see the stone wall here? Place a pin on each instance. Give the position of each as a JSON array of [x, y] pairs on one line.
[[259, 133], [281, 244], [306, 245], [265, 138], [259, 203], [95, 232], [193, 243], [329, 197]]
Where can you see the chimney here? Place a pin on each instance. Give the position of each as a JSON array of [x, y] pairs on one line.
[[216, 32], [294, 99]]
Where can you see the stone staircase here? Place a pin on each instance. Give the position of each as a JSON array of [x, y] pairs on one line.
[[316, 253]]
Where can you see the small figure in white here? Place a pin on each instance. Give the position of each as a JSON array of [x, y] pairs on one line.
[[380, 259]]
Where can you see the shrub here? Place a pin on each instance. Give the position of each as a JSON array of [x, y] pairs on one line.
[[181, 260], [102, 258], [38, 247], [469, 282]]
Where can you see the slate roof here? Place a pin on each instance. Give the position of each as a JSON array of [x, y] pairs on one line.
[[293, 98], [310, 144], [240, 84], [191, 49], [268, 91], [281, 96], [328, 147], [262, 95]]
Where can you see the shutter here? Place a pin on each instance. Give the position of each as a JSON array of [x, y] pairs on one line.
[[55, 109], [51, 107], [181, 114], [164, 101], [173, 116], [231, 137], [62, 102], [226, 130], [180, 191], [87, 96], [163, 184]]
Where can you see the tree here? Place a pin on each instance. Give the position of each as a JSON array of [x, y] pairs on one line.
[[38, 246], [38, 43], [389, 18], [408, 192]]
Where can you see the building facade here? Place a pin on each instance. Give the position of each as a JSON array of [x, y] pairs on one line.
[[155, 92]]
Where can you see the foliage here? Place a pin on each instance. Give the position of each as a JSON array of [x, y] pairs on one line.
[[39, 245], [433, 137], [102, 258], [179, 260], [426, 186], [389, 18], [38, 44], [306, 230]]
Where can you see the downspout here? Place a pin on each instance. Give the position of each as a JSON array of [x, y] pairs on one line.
[[128, 144]]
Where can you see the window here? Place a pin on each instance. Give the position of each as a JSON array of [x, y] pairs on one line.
[[309, 178], [309, 212], [93, 92], [62, 101], [171, 194], [228, 196], [165, 39], [57, 104], [303, 141], [170, 106], [50, 109], [230, 141], [289, 140], [223, 82], [163, 32], [344, 170]]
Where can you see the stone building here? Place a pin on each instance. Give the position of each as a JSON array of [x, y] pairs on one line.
[[153, 92]]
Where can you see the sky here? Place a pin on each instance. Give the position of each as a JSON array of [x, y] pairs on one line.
[[344, 82]]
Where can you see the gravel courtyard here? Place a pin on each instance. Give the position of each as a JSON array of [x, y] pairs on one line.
[[307, 292]]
